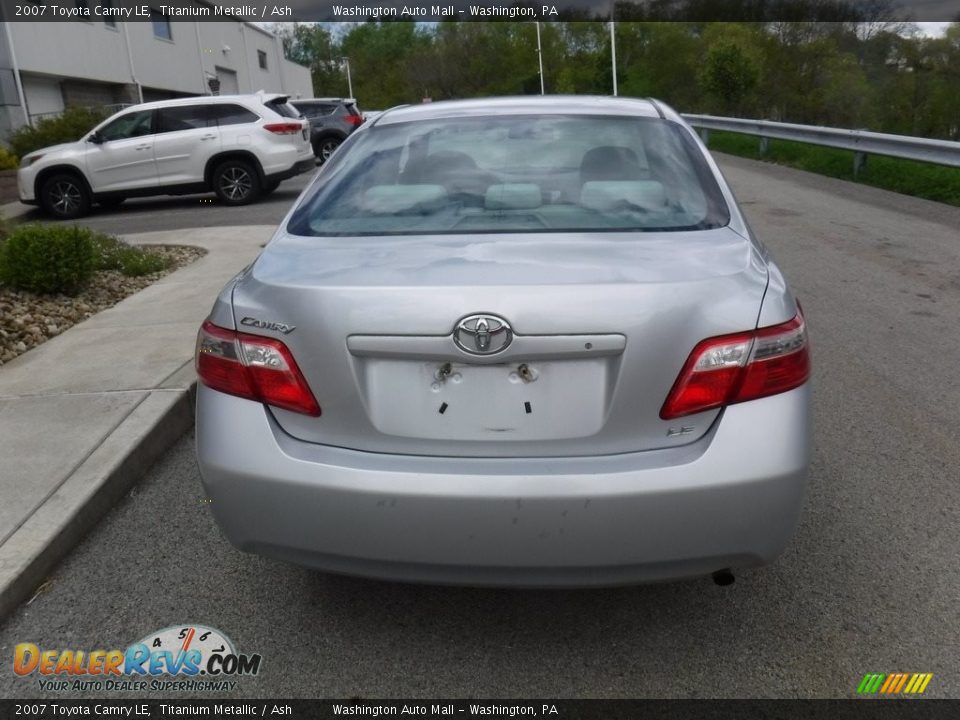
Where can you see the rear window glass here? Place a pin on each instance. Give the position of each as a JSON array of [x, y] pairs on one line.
[[282, 107], [232, 115], [315, 109], [515, 174]]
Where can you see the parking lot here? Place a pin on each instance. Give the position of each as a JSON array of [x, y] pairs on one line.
[[869, 584]]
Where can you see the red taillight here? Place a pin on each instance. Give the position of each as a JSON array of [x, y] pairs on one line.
[[744, 366], [354, 120], [284, 128], [252, 367]]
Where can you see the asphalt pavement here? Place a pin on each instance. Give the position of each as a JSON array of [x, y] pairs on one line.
[[869, 584]]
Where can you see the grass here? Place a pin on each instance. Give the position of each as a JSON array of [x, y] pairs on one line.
[[925, 180], [113, 254]]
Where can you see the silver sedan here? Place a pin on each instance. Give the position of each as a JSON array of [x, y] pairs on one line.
[[524, 341]]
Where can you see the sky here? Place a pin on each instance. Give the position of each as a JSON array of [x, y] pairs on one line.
[[933, 29]]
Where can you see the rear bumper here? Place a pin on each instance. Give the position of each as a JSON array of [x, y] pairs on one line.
[[731, 499], [301, 166]]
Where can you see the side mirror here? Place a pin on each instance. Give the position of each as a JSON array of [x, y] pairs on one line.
[[96, 138]]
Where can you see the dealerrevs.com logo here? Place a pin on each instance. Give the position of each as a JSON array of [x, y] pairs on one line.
[[181, 657]]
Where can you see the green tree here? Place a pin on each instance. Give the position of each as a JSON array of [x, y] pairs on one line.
[[475, 59], [848, 73], [577, 65], [730, 75], [313, 46], [380, 56], [658, 59]]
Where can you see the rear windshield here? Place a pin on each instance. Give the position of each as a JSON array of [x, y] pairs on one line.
[[515, 174], [281, 107], [314, 109]]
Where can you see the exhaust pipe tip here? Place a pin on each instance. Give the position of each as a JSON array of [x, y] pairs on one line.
[[724, 577]]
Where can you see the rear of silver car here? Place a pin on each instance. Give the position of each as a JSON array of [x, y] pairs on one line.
[[469, 363]]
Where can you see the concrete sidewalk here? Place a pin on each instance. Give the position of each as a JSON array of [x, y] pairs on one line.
[[85, 414], [13, 210]]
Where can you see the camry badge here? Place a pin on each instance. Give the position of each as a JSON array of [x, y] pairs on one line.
[[267, 325]]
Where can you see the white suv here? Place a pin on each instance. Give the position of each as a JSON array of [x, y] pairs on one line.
[[239, 146]]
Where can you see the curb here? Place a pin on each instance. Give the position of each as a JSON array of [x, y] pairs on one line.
[[91, 491]]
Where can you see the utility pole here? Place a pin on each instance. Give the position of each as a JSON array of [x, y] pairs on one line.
[[346, 61], [17, 80], [540, 58], [613, 50]]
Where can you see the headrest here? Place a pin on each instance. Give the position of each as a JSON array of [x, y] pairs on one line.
[[610, 162], [609, 194], [513, 196], [391, 199], [438, 163]]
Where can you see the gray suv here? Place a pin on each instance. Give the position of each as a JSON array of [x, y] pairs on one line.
[[331, 121]]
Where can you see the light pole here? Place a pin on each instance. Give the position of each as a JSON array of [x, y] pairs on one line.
[[540, 59], [613, 51], [346, 62]]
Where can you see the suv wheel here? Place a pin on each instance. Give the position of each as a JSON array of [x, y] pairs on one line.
[[65, 196], [325, 147], [236, 182]]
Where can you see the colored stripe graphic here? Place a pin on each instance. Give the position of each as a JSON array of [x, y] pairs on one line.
[[927, 677], [888, 683], [894, 683], [870, 683]]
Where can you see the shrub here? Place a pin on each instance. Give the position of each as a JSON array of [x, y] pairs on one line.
[[8, 161], [138, 262], [107, 252], [113, 254], [47, 259], [73, 124]]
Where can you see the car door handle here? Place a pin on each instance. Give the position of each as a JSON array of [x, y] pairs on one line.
[[209, 137], [144, 147]]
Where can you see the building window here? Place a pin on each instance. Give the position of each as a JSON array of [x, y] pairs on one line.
[[161, 25], [262, 58], [108, 6]]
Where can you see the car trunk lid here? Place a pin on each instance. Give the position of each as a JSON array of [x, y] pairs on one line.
[[601, 325]]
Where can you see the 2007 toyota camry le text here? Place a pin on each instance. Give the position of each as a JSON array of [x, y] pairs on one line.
[[521, 341]]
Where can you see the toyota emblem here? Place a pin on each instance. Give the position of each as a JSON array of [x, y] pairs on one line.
[[482, 334]]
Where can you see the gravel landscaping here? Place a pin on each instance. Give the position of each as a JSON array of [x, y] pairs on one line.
[[26, 319]]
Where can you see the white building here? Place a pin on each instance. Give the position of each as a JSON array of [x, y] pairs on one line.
[[45, 66]]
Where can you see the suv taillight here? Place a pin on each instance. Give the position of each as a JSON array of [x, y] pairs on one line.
[[353, 119], [286, 128], [744, 366], [252, 367]]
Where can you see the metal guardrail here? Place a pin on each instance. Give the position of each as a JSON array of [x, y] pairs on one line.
[[860, 142]]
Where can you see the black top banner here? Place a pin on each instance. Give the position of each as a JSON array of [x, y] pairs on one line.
[[483, 10], [490, 709]]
